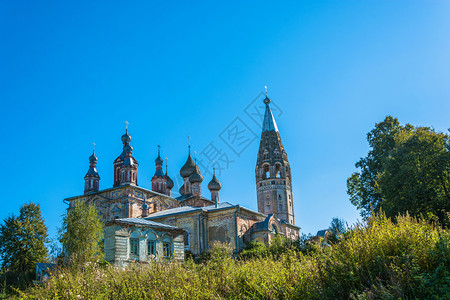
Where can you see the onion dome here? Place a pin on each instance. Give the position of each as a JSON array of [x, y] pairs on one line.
[[127, 148], [181, 190], [195, 177], [159, 160], [188, 168], [126, 138], [214, 184], [169, 182], [93, 158]]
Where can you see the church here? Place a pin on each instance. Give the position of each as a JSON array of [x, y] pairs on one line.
[[150, 224]]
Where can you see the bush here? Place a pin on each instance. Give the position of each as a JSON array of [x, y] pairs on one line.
[[408, 259], [383, 259]]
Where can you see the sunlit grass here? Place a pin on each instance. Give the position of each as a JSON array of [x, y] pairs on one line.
[[381, 259]]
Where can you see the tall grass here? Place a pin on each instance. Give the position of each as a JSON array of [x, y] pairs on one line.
[[378, 260]]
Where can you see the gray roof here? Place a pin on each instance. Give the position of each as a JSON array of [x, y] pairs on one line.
[[144, 222], [269, 123], [185, 197], [322, 232], [120, 187], [262, 225], [186, 209]]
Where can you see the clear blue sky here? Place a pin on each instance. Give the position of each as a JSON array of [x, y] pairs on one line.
[[72, 73]]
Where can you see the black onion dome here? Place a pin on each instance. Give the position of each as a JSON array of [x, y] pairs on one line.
[[196, 176], [169, 182], [126, 138], [93, 158], [159, 160], [188, 168], [214, 184], [181, 190], [127, 148]]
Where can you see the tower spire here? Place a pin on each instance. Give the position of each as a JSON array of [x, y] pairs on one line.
[[91, 179], [273, 174], [125, 166], [159, 180], [189, 144], [169, 181], [269, 123], [214, 186]]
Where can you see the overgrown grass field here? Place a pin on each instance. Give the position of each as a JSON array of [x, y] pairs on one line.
[[407, 259]]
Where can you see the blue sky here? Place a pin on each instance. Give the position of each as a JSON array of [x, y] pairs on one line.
[[72, 73]]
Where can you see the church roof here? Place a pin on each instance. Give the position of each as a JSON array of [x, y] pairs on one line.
[[144, 222], [186, 209], [269, 123], [125, 185]]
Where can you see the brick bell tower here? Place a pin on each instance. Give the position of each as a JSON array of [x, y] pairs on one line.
[[273, 173], [92, 179], [125, 166]]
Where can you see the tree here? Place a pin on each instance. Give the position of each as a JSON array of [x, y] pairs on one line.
[[22, 240], [81, 234], [337, 227], [407, 169]]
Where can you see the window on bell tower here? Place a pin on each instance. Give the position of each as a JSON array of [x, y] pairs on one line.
[[266, 173]]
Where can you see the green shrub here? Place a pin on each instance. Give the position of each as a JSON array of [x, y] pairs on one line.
[[407, 259]]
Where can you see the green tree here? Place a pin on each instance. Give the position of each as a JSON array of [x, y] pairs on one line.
[[22, 240], [416, 175], [407, 168], [81, 234], [337, 228]]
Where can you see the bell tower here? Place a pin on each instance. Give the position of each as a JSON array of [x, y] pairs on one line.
[[125, 166], [91, 180], [273, 173]]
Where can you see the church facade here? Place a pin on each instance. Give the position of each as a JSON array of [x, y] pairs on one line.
[[150, 224]]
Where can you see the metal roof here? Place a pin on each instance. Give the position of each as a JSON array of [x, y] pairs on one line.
[[186, 209], [139, 221], [269, 123]]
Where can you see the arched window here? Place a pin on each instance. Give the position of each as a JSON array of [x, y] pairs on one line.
[[266, 173], [266, 154], [151, 243], [186, 240], [167, 247], [134, 245], [278, 171]]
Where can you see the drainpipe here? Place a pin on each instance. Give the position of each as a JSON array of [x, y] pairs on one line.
[[235, 228], [199, 234]]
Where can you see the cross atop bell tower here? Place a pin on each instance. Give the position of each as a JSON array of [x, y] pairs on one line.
[[273, 173]]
